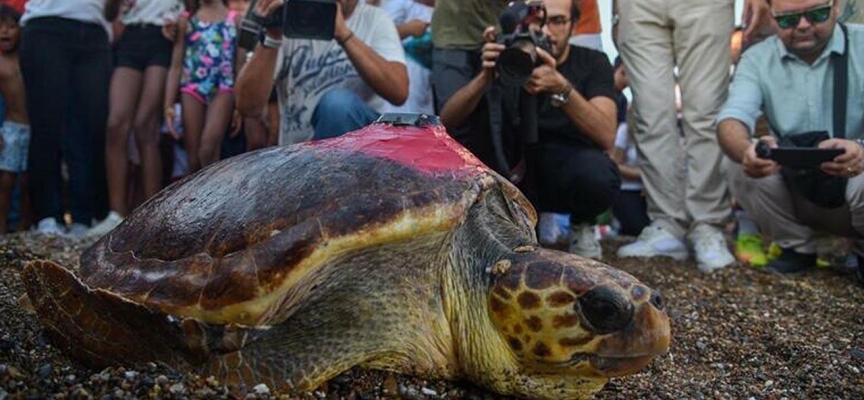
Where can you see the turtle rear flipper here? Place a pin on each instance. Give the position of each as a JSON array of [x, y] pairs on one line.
[[102, 329]]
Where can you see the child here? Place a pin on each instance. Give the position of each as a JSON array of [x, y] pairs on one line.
[[15, 133], [203, 67], [630, 208], [412, 18], [143, 55]]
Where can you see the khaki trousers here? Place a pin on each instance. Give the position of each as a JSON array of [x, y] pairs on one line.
[[788, 218], [655, 37]]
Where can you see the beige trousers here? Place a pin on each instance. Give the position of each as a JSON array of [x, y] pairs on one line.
[[790, 220], [656, 36]]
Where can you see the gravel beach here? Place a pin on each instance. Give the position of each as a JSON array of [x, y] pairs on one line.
[[737, 334]]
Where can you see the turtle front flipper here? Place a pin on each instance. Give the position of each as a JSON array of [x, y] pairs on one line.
[[96, 326]]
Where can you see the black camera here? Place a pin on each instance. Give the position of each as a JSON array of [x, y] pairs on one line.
[[518, 60], [300, 19]]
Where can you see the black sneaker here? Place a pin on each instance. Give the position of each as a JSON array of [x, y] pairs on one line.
[[791, 262]]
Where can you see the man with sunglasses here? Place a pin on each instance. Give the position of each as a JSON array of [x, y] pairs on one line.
[[790, 77], [576, 124]]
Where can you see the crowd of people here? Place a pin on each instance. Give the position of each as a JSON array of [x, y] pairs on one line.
[[107, 101]]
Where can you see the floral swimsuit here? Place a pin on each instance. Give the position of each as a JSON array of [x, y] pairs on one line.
[[208, 65]]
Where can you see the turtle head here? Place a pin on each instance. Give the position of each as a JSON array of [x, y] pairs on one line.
[[571, 323]]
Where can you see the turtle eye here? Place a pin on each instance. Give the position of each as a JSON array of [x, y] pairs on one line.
[[605, 310]]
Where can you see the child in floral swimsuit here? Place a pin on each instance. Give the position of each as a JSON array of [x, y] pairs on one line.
[[202, 72]]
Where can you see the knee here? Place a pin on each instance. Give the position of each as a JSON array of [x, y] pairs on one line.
[[338, 102], [118, 128]]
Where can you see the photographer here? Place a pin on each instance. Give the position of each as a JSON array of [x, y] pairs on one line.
[[325, 87], [797, 78], [575, 123]]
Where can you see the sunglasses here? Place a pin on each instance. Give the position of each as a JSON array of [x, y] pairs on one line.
[[815, 15]]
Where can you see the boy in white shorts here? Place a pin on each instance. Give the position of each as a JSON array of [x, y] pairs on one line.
[[15, 132]]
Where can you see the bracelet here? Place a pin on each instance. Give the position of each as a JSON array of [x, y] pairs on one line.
[[271, 43], [343, 41]]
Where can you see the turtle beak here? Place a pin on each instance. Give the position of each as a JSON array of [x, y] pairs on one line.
[[631, 349]]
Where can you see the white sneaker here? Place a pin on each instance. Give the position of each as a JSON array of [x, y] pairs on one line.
[[49, 226], [107, 225], [711, 250], [77, 230], [654, 241], [552, 228], [583, 242]]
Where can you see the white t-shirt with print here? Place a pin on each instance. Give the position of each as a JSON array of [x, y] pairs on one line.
[[307, 69]]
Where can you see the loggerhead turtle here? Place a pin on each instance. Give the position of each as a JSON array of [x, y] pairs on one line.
[[391, 247]]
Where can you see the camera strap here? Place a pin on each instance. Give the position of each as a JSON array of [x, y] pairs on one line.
[[841, 76]]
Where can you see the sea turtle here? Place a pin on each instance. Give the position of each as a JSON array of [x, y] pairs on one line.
[[391, 247]]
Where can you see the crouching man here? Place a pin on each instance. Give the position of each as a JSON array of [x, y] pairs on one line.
[[791, 78], [576, 123]]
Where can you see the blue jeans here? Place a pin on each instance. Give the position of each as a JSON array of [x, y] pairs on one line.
[[340, 111]]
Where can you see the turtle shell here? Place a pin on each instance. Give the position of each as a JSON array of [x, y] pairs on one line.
[[226, 245]]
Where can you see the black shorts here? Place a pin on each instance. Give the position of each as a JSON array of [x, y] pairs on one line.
[[141, 46]]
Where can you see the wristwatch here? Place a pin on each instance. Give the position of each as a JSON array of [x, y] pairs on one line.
[[559, 99]]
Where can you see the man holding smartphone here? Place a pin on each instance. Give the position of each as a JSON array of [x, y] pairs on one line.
[[790, 78]]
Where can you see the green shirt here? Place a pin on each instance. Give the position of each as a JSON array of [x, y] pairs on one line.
[[459, 24]]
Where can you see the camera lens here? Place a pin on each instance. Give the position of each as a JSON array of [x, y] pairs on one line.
[[516, 63]]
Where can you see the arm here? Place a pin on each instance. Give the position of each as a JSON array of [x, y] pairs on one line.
[[756, 17], [255, 80], [172, 81], [465, 100], [112, 9], [414, 27], [734, 139], [595, 117], [619, 154], [389, 79]]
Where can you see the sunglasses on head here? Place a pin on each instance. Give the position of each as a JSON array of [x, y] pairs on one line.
[[815, 15]]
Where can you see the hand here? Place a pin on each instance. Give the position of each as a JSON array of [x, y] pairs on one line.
[[756, 167], [265, 9], [545, 78], [2, 143], [236, 123], [169, 29], [756, 18], [340, 30], [849, 164], [490, 52], [169, 117]]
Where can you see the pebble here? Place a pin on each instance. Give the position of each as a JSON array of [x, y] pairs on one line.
[[45, 370], [857, 353], [428, 392], [261, 389], [177, 388]]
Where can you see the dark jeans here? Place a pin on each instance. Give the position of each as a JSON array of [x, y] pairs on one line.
[[340, 111], [63, 59], [575, 180], [631, 210]]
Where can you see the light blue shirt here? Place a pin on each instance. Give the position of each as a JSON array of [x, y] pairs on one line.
[[797, 97]]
